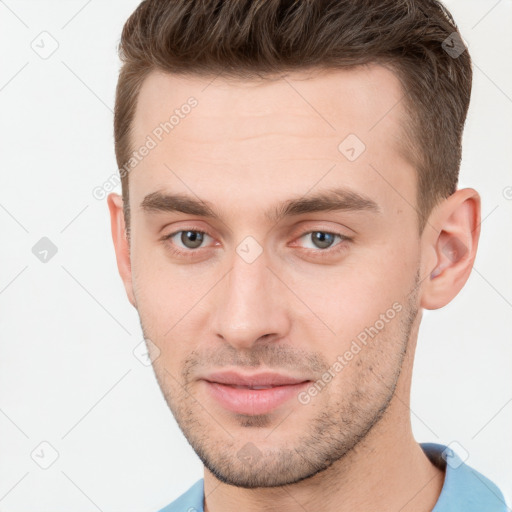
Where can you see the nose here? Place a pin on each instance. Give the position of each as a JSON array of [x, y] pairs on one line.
[[251, 304]]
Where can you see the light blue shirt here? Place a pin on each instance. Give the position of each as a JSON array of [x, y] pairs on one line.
[[464, 488]]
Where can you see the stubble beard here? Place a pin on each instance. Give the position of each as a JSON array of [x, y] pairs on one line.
[[328, 437]]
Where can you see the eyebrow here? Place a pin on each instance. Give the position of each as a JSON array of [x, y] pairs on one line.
[[337, 199]]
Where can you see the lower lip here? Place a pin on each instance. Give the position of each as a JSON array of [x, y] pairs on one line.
[[253, 401]]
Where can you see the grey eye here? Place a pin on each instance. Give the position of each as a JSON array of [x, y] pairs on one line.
[[321, 239], [191, 239]]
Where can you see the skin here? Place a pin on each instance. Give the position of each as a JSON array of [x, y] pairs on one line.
[[246, 147]]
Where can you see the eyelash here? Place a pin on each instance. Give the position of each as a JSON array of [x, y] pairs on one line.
[[191, 253]]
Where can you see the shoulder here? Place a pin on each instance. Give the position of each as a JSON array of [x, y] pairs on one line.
[[464, 487], [190, 501]]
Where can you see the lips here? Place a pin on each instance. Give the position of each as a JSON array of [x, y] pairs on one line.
[[267, 379], [252, 394]]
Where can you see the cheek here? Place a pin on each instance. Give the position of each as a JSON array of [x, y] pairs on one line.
[[360, 299], [158, 296], [169, 304], [356, 295], [157, 283]]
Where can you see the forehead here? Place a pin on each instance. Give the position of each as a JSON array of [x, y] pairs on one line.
[[286, 130], [358, 98]]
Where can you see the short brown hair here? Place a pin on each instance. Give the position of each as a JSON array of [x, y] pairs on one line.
[[257, 38]]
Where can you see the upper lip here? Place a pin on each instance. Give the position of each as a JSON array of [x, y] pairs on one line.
[[256, 379]]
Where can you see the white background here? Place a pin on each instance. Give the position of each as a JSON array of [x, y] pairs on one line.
[[68, 375]]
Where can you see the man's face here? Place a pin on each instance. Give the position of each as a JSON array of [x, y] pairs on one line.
[[257, 292]]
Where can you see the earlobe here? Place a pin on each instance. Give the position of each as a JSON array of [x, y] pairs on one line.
[[454, 245], [121, 243]]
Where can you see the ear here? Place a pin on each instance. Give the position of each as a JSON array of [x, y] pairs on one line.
[[121, 243], [452, 241]]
